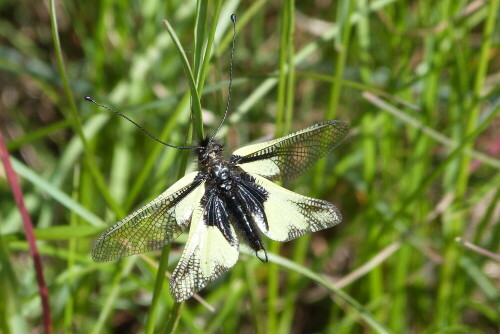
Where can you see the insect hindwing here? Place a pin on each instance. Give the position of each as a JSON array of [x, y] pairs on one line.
[[290, 215], [207, 254]]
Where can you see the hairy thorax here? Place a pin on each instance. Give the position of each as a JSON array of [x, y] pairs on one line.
[[220, 172]]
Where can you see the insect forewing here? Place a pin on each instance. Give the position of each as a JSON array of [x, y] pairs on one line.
[[207, 255], [289, 156], [290, 215], [154, 225]]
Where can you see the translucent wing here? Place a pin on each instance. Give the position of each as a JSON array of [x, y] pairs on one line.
[[290, 215], [208, 252], [289, 156], [154, 225]]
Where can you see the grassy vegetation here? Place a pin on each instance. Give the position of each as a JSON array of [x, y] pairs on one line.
[[417, 80]]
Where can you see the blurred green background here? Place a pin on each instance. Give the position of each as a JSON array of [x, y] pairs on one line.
[[417, 80]]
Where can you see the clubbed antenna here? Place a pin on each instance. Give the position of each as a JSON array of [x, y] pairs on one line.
[[90, 99], [233, 19]]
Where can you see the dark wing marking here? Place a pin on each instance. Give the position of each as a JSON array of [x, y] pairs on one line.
[[252, 197], [216, 214], [154, 225], [290, 215], [208, 252], [289, 156]]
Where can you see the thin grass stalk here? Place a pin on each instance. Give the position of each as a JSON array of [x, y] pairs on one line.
[[255, 300], [274, 247], [375, 277], [188, 319], [282, 72], [434, 57], [74, 116], [341, 43], [69, 309], [301, 245], [10, 306], [488, 215], [369, 146], [208, 49], [152, 315], [341, 40], [477, 249], [114, 291], [223, 315], [300, 250], [195, 97], [198, 124], [199, 37], [290, 68], [30, 236], [455, 226], [173, 319]]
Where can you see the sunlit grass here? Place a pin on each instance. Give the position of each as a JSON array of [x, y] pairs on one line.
[[417, 80]]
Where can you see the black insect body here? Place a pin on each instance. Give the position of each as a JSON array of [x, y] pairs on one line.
[[227, 195], [231, 195]]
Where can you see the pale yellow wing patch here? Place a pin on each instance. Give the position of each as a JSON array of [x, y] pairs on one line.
[[206, 256], [265, 167], [290, 215]]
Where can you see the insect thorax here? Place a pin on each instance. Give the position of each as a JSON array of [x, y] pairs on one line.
[[217, 168]]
